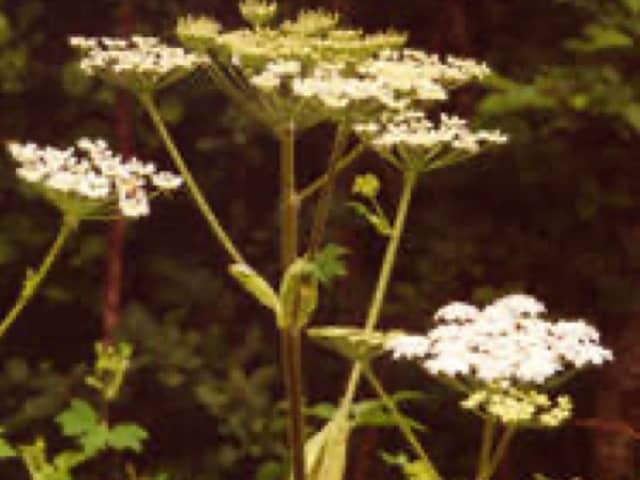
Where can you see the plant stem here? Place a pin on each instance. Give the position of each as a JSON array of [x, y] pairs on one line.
[[321, 214], [212, 220], [484, 457], [373, 315], [34, 279], [404, 427], [343, 163], [500, 451], [290, 333], [408, 186], [289, 202]]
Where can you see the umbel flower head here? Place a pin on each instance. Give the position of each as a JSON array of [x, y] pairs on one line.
[[411, 141], [508, 342], [520, 407], [139, 63], [89, 180], [310, 69]]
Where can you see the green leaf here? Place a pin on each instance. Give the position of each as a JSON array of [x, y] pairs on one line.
[[328, 263], [600, 37], [95, 440], [412, 470], [326, 451], [255, 285], [377, 221], [353, 343], [373, 413], [6, 450], [419, 470], [298, 294], [78, 419], [323, 410], [515, 99], [127, 436], [632, 5]]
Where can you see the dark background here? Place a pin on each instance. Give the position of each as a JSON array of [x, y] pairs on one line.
[[554, 213]]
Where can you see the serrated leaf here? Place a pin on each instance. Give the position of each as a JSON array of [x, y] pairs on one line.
[[127, 436], [95, 440], [353, 343], [78, 419], [328, 263], [257, 286]]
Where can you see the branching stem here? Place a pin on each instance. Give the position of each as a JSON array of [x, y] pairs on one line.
[[34, 279], [375, 308], [401, 422]]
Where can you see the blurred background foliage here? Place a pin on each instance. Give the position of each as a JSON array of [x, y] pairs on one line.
[[554, 213]]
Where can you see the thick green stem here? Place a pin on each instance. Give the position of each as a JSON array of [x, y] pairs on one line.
[[197, 195], [290, 333], [401, 422], [34, 279], [499, 453], [289, 201], [484, 457]]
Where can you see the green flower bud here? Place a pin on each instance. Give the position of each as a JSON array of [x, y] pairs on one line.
[[258, 12], [198, 33]]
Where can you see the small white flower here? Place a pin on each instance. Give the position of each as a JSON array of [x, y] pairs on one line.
[[457, 311], [408, 346], [140, 63], [521, 304], [166, 180], [89, 171]]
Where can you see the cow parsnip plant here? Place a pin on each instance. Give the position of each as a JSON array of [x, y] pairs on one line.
[[290, 76]]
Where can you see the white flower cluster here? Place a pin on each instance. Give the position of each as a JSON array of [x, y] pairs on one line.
[[508, 341], [521, 407], [139, 62], [393, 79], [90, 171], [412, 130], [410, 70]]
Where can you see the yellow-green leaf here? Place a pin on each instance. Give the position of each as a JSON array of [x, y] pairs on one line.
[[257, 286], [353, 343]]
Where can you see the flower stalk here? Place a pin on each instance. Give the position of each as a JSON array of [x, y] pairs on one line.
[[408, 186], [198, 197], [484, 457], [401, 422], [34, 279], [498, 454]]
